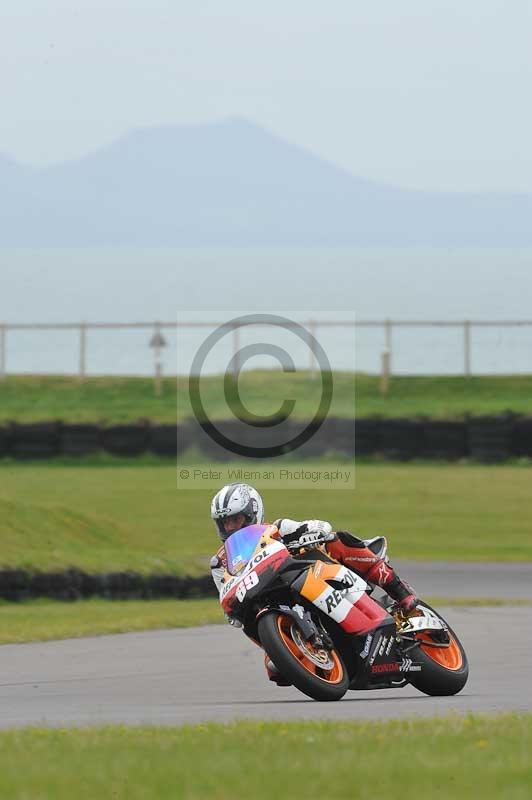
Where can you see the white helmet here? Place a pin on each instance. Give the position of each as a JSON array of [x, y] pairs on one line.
[[236, 498]]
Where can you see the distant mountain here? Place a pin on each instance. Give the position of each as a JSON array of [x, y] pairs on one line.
[[233, 183]]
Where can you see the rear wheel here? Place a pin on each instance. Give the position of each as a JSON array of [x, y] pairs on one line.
[[444, 666], [317, 672]]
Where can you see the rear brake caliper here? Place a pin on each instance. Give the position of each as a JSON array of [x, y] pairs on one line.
[[440, 637]]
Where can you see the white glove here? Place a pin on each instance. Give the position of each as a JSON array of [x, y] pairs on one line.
[[320, 526], [306, 533], [291, 527]]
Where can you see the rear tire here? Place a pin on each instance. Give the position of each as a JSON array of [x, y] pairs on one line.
[[275, 632], [444, 671]]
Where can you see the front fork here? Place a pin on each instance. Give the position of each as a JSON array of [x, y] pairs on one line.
[[312, 631]]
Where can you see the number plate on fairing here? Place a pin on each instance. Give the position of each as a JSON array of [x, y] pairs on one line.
[[248, 577]]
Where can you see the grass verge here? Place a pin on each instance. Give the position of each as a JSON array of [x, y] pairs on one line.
[[460, 757], [475, 602], [133, 517], [30, 398], [43, 620]]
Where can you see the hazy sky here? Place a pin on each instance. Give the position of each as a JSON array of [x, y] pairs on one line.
[[422, 93]]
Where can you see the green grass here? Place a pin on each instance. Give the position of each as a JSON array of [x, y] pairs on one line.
[[42, 620], [133, 517], [33, 398], [437, 759]]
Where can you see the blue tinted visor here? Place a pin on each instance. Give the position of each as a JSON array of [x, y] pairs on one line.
[[241, 545]]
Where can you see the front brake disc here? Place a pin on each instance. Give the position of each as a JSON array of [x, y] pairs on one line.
[[319, 656]]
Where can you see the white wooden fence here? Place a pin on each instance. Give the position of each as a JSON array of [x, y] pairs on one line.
[[81, 330]]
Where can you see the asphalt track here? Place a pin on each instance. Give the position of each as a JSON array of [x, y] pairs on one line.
[[508, 581], [216, 673]]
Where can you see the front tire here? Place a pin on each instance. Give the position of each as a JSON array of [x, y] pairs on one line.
[[444, 670], [317, 673]]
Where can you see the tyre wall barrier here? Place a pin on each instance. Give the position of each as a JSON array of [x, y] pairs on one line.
[[166, 440], [125, 440], [521, 438], [445, 440], [401, 439], [490, 438], [4, 442], [487, 439], [73, 584], [37, 440], [79, 440], [253, 436], [321, 437], [366, 436]]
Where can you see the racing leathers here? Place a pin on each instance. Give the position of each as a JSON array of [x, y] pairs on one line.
[[367, 557]]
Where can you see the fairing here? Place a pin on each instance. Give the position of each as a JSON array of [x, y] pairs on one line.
[[241, 545]]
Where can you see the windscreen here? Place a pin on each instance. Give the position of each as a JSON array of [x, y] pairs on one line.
[[240, 546]]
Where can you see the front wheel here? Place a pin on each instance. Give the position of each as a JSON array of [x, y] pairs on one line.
[[444, 666], [317, 672]]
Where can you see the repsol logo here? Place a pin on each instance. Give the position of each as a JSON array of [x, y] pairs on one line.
[[334, 599], [254, 561], [337, 595]]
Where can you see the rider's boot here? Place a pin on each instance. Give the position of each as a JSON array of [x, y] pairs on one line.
[[273, 673], [387, 578]]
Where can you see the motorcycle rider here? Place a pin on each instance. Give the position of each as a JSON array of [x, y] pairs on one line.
[[237, 505]]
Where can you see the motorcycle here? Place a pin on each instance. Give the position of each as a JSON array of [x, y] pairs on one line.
[[322, 628]]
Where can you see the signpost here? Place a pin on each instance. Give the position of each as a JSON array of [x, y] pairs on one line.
[[157, 342]]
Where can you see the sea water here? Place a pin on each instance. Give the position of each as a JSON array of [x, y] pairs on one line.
[[217, 284]]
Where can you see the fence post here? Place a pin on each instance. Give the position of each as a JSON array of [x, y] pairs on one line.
[[312, 358], [236, 348], [3, 332], [388, 343], [385, 372], [82, 351], [467, 348], [157, 342]]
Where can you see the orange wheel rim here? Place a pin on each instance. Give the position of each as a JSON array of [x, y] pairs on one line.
[[334, 675], [449, 656]]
